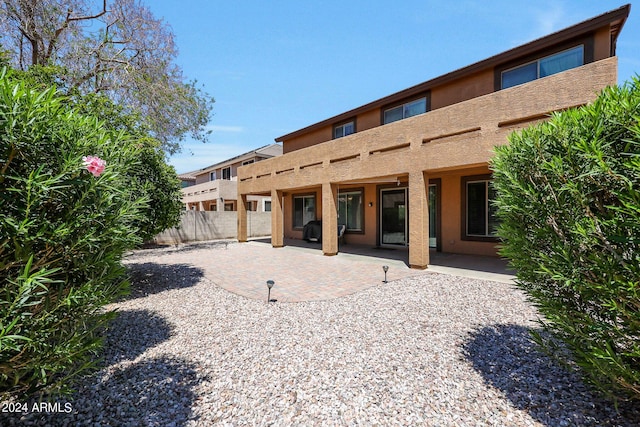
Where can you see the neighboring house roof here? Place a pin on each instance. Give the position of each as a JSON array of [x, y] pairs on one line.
[[615, 17], [271, 150], [266, 151], [186, 177]]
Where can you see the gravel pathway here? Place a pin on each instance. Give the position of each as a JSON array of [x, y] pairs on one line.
[[432, 350]]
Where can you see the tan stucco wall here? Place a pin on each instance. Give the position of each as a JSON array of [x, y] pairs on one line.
[[444, 143], [451, 218], [309, 139], [358, 156], [602, 44], [475, 85]]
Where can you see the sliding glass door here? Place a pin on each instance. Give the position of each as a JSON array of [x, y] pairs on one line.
[[394, 218]]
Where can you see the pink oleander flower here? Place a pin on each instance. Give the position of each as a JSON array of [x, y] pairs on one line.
[[94, 164]]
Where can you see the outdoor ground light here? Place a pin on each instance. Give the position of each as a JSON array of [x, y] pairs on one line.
[[270, 284], [385, 268]]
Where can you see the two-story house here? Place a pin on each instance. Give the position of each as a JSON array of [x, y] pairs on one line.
[[412, 168], [215, 188]]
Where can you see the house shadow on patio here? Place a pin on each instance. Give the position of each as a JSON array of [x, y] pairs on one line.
[[484, 267], [510, 361]]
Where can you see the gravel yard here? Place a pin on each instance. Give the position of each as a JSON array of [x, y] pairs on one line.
[[433, 350]]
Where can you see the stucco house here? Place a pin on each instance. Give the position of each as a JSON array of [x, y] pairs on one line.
[[411, 169], [215, 188]]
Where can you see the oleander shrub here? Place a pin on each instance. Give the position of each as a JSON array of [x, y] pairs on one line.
[[150, 176], [65, 222], [568, 197]]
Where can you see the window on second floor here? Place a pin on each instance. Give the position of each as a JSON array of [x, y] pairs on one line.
[[212, 176], [226, 173], [344, 129], [248, 162], [406, 110], [552, 64]]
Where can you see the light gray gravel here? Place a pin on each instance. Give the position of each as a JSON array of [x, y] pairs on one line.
[[431, 350]]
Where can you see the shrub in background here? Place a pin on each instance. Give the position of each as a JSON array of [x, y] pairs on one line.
[[64, 227], [568, 196]]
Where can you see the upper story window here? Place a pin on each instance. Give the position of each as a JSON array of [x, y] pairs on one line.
[[226, 173], [344, 129], [561, 61], [406, 110], [212, 176], [248, 162]]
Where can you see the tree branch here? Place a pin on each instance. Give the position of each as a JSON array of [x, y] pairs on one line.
[[65, 25]]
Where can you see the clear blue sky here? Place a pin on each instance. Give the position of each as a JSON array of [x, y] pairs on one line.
[[277, 66]]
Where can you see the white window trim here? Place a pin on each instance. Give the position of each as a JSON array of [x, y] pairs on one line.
[[403, 107], [341, 126]]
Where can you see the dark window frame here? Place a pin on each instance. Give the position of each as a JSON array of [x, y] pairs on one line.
[[342, 123], [223, 173], [589, 49], [362, 215], [463, 223], [402, 102], [293, 209], [437, 182]]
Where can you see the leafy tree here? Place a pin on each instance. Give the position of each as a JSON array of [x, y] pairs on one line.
[[568, 195], [116, 48]]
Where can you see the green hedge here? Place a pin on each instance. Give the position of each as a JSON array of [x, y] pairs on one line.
[[63, 232], [568, 196]]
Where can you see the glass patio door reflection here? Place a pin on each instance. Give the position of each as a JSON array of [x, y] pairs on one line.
[[394, 219], [433, 216]]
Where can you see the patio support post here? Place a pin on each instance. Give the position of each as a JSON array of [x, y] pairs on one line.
[[418, 220], [329, 219], [242, 218], [277, 221]]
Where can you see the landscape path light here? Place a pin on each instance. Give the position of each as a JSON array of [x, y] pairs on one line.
[[385, 268], [270, 284]]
